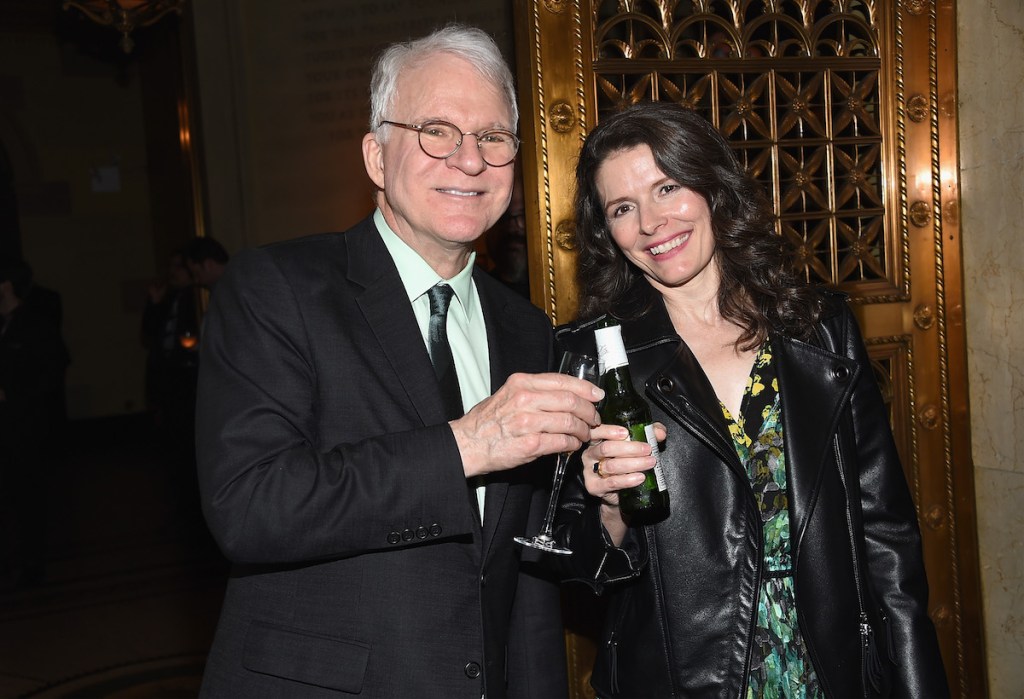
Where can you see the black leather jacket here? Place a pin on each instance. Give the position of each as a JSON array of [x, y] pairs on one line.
[[683, 591]]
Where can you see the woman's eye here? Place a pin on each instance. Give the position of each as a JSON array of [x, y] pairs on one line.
[[620, 210], [666, 188]]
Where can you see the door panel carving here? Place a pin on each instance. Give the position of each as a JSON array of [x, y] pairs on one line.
[[845, 111]]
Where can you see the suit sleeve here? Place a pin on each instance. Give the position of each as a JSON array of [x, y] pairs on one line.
[[892, 538], [271, 492], [536, 645]]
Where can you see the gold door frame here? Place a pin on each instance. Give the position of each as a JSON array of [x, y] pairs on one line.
[[875, 209]]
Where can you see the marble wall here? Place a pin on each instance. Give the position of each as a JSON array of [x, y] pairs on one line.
[[991, 101]]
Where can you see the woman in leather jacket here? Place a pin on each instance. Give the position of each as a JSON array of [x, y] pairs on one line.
[[789, 561]]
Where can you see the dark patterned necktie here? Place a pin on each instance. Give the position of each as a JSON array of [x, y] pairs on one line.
[[440, 351]]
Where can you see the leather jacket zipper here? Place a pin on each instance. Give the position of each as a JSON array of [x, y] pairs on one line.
[[613, 662], [753, 617], [612, 646], [870, 665]]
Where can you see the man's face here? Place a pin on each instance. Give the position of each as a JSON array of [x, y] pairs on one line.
[[178, 274], [439, 207]]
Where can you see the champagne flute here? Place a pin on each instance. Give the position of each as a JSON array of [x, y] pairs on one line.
[[581, 366]]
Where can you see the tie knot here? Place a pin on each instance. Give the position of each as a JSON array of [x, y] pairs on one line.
[[440, 296]]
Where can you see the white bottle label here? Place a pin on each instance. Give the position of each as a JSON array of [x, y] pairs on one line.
[[656, 453], [611, 353]]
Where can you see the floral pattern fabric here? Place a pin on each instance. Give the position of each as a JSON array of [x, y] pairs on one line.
[[780, 667]]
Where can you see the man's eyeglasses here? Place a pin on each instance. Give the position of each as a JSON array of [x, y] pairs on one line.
[[440, 139]]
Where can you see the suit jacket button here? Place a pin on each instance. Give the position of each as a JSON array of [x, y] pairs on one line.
[[394, 538], [841, 373], [472, 670], [421, 533], [435, 529], [407, 535], [665, 385]]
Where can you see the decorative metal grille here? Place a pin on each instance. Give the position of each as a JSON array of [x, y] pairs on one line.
[[794, 85]]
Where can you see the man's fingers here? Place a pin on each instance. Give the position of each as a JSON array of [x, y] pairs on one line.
[[556, 382]]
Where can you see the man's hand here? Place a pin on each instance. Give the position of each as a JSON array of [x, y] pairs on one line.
[[530, 416]]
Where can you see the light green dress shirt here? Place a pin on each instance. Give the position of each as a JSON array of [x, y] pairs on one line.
[[467, 333]]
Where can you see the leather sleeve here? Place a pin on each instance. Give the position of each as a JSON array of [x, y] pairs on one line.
[[271, 492], [595, 561], [892, 539]]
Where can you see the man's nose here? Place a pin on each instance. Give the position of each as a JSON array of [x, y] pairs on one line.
[[468, 157]]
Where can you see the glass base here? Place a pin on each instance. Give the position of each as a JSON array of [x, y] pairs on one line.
[[544, 543]]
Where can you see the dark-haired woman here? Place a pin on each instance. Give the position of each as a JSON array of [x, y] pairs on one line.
[[789, 563]]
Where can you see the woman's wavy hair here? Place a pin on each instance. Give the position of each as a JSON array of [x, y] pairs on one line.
[[759, 288]]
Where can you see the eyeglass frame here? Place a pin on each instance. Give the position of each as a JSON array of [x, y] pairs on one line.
[[418, 128]]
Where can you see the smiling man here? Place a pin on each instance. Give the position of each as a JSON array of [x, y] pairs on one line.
[[366, 497]]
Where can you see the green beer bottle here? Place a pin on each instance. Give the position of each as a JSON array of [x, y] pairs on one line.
[[622, 405]]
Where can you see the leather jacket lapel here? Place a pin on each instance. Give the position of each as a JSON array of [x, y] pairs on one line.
[[677, 383], [815, 386], [682, 389]]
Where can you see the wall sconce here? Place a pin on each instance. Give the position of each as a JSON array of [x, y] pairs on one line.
[[125, 15]]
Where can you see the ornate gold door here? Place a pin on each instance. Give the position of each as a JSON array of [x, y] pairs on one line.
[[845, 110]]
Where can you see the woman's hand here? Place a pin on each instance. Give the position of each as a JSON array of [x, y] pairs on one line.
[[611, 463]]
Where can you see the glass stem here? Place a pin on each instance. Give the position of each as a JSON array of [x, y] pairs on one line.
[[556, 486]]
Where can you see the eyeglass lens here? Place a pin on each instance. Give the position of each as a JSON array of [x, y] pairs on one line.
[[441, 140]]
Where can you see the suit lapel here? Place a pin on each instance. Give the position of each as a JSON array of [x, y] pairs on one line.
[[501, 341], [814, 386], [384, 304]]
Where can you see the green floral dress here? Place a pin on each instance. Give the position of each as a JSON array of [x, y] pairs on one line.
[[779, 665]]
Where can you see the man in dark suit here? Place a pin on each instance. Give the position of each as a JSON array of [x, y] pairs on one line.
[[368, 560]]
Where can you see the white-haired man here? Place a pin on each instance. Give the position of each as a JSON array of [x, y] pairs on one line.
[[370, 523]]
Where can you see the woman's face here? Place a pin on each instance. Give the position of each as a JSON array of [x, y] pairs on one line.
[[661, 227]]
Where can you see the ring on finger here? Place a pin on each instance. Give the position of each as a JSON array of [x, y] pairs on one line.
[[597, 468]]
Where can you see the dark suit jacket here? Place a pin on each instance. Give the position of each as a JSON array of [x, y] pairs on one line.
[[332, 481]]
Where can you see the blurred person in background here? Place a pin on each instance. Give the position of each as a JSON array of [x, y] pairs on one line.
[[506, 243], [33, 362]]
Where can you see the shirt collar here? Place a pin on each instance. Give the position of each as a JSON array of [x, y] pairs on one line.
[[418, 276]]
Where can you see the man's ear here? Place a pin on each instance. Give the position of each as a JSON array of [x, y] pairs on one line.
[[373, 159]]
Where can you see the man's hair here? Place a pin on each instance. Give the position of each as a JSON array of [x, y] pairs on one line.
[[469, 43], [205, 248]]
